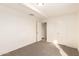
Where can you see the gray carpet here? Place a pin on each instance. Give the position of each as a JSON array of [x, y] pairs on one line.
[[40, 48], [69, 50]]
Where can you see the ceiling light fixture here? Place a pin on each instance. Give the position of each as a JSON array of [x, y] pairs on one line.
[[40, 4]]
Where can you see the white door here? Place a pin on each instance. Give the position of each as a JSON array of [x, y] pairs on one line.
[[38, 31]]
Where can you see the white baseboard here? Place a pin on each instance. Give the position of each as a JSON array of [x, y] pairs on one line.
[[78, 49], [60, 49]]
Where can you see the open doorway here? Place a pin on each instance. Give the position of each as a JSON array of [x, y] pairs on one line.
[[41, 31], [44, 31]]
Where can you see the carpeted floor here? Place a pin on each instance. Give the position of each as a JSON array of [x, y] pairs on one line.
[[69, 50], [40, 48]]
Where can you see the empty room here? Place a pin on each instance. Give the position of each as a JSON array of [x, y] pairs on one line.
[[39, 29]]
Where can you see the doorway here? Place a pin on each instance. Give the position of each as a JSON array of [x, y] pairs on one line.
[[44, 31], [41, 31]]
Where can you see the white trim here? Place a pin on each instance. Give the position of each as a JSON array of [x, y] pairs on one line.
[[60, 49], [78, 49]]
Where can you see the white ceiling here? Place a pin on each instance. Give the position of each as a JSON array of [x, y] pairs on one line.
[[54, 9], [46, 10], [22, 9]]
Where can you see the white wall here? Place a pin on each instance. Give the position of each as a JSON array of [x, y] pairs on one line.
[[16, 29], [64, 29], [78, 29]]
